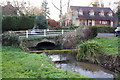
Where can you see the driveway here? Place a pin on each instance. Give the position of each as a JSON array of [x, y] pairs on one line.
[[106, 35]]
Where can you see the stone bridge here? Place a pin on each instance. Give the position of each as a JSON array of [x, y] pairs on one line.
[[43, 44], [69, 40]]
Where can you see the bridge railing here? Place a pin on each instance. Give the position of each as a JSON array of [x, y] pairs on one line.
[[41, 32]]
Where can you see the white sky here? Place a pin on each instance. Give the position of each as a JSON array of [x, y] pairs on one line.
[[54, 12]]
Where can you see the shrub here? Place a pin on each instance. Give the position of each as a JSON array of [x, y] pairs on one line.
[[12, 39], [94, 31], [88, 51], [117, 77], [99, 29], [67, 28], [52, 23], [41, 22], [14, 22]]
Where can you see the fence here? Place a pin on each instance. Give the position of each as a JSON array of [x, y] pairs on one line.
[[41, 32]]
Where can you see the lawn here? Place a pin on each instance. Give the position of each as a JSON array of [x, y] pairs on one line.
[[109, 46], [19, 64]]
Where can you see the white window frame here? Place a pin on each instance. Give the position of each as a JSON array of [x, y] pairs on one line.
[[80, 13], [110, 14], [103, 22], [92, 13], [102, 14]]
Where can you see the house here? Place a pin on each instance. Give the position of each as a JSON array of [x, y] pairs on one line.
[[91, 16], [9, 9]]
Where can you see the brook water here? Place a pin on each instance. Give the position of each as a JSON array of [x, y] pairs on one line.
[[67, 62]]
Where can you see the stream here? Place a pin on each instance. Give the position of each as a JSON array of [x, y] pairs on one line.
[[66, 61]]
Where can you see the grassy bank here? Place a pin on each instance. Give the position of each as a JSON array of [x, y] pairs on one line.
[[39, 38], [20, 64], [109, 46]]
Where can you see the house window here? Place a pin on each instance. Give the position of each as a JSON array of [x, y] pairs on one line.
[[102, 13], [91, 13], [110, 14], [80, 12], [103, 22]]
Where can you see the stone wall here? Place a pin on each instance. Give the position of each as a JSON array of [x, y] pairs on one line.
[[71, 39]]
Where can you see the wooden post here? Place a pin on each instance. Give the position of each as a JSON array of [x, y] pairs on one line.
[[62, 32], [44, 32], [26, 33]]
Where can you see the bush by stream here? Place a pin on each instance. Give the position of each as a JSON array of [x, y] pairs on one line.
[[102, 51], [88, 51]]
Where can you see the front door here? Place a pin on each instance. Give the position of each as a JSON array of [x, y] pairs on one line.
[[89, 22]]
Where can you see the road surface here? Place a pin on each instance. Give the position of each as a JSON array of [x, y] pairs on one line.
[[107, 35]]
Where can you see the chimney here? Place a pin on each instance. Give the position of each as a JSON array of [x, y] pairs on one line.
[[8, 3]]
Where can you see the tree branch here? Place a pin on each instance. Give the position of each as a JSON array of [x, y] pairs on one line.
[[55, 6], [68, 5]]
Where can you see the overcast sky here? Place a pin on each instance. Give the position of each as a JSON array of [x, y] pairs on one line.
[[54, 12]]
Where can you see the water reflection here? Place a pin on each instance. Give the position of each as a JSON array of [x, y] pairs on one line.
[[86, 69]]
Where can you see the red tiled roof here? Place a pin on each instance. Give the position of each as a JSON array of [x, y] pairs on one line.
[[97, 10]]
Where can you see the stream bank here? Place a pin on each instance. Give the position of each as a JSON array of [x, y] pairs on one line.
[[67, 61], [107, 67], [110, 62]]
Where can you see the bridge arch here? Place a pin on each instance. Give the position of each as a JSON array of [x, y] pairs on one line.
[[46, 44]]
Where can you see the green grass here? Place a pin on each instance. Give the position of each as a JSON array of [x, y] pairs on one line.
[[109, 46], [0, 62], [19, 64], [39, 38]]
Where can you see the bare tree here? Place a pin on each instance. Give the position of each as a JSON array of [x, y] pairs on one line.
[[22, 7], [35, 10], [68, 5], [60, 8]]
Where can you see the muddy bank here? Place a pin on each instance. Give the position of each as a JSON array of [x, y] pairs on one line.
[[110, 62]]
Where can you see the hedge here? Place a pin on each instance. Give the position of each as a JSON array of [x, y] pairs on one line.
[[105, 29], [100, 29], [67, 28], [14, 22]]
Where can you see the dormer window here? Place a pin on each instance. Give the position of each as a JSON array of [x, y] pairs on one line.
[[80, 12], [91, 13], [110, 14], [102, 13]]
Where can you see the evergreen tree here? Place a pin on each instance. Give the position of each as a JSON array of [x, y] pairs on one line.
[[41, 22], [118, 14], [45, 9]]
